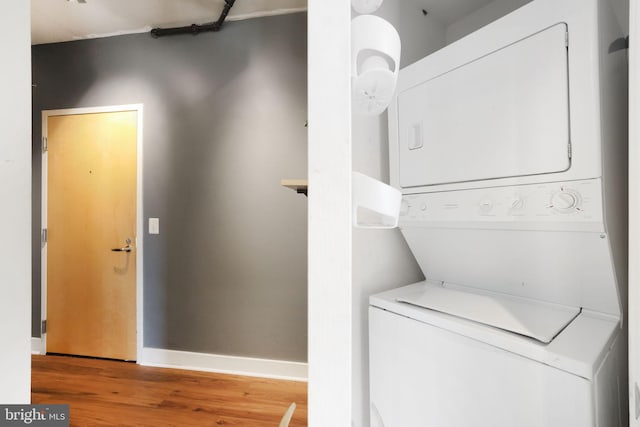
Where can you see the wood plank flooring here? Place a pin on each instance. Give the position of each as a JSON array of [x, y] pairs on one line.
[[111, 393]]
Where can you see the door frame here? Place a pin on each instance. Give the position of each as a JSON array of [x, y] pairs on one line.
[[634, 211], [139, 214]]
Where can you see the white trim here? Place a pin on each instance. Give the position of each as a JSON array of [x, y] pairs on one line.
[[44, 185], [634, 211], [266, 13], [36, 345], [329, 214], [92, 110], [139, 235], [139, 108], [263, 368]]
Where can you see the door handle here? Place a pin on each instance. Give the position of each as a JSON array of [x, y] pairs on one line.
[[127, 248]]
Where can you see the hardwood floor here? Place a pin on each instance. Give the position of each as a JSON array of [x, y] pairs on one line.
[[110, 393]]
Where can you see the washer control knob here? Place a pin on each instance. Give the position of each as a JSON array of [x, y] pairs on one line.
[[566, 201], [517, 204]]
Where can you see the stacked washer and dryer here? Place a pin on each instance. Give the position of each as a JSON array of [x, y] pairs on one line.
[[509, 147]]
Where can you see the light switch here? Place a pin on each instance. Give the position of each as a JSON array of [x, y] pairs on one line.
[[154, 225]]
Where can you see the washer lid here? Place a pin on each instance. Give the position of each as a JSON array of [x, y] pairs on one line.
[[535, 319]]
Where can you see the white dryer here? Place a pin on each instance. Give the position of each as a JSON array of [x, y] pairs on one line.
[[509, 147]]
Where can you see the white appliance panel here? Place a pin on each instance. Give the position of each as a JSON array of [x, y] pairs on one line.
[[535, 319], [586, 55], [568, 268], [579, 349], [559, 206], [505, 114], [463, 382]]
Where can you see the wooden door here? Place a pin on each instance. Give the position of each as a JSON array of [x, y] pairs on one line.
[[91, 210]]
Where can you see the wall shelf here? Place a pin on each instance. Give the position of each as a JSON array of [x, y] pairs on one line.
[[375, 204], [298, 185]]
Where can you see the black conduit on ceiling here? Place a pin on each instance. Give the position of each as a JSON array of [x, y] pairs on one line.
[[194, 28]]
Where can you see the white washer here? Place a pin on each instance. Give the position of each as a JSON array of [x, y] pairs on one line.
[[509, 147], [433, 369]]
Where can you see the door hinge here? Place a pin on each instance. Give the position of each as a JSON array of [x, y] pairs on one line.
[[45, 235], [566, 39], [43, 327], [569, 151], [637, 400], [45, 144]]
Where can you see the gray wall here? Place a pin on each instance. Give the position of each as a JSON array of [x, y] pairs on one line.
[[224, 117]]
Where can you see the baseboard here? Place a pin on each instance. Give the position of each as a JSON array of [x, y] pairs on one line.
[[293, 371], [36, 345]]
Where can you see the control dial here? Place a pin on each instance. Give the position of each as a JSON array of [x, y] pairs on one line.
[[517, 204], [566, 201]]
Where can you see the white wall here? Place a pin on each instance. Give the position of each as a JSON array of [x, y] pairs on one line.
[[634, 215], [481, 17], [329, 35], [381, 258], [420, 34], [500, 8], [15, 200]]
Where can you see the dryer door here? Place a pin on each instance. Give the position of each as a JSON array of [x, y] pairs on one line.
[[503, 115]]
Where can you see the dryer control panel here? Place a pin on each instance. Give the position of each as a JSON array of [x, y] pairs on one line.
[[573, 205]]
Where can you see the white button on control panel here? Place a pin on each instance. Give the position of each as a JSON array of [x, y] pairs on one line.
[[486, 206]]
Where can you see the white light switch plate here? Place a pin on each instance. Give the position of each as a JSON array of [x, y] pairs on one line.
[[154, 225]]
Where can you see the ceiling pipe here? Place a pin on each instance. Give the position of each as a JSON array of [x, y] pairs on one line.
[[196, 29]]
